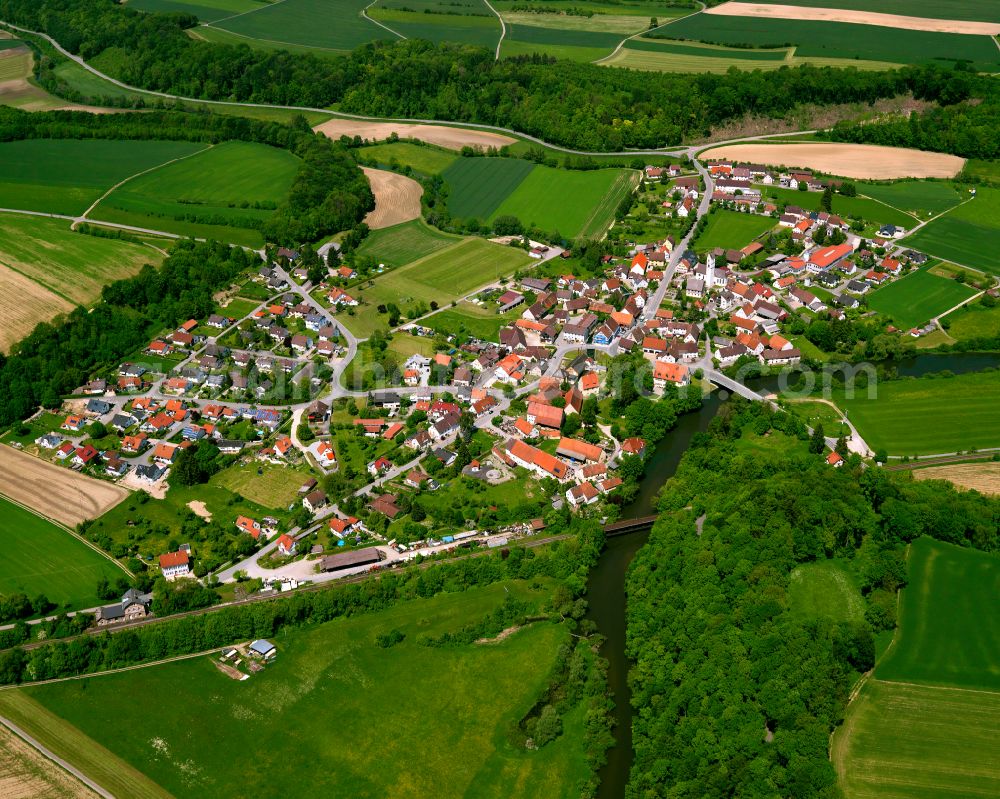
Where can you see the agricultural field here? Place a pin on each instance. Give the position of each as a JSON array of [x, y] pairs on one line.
[[826, 589], [274, 487], [981, 10], [440, 277], [397, 198], [815, 39], [925, 416], [661, 55], [447, 136], [290, 724], [478, 186], [25, 773], [402, 244], [425, 159], [848, 207], [943, 636], [968, 235], [731, 230], [43, 558], [464, 21], [205, 10], [65, 176], [922, 198], [469, 319], [974, 320], [983, 477], [323, 24], [16, 90], [917, 298], [221, 185]]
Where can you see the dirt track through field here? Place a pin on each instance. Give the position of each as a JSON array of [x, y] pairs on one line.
[[983, 477], [863, 161], [441, 135], [778, 11], [397, 198], [53, 491], [27, 774]]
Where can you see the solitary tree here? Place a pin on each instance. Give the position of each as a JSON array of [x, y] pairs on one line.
[[818, 441]]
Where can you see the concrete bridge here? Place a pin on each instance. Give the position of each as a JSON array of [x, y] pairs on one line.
[[733, 386]]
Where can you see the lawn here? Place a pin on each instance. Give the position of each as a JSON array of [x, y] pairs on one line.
[[826, 589], [924, 416], [817, 39], [73, 265], [327, 24], [275, 487], [193, 196], [922, 197], [42, 558], [337, 715], [968, 234], [421, 158], [572, 203], [974, 320], [404, 243], [470, 319], [919, 297], [478, 186], [731, 230], [440, 277], [64, 176], [918, 742], [944, 636]]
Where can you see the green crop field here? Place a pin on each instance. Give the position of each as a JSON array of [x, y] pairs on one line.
[[442, 26], [509, 49], [919, 297], [440, 277], [923, 416], [542, 37], [421, 158], [73, 265], [732, 230], [64, 176], [918, 742], [205, 10], [921, 197], [211, 185], [404, 243], [975, 10], [298, 723], [816, 39], [697, 51], [850, 207], [571, 202], [944, 637], [470, 319], [622, 24], [478, 186], [327, 24], [826, 589], [968, 235], [42, 558], [974, 320]]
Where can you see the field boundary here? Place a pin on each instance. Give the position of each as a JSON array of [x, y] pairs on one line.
[[621, 44], [73, 533], [50, 755]]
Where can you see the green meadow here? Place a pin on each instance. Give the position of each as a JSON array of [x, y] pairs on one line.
[[423, 158], [205, 10], [968, 235], [478, 186], [850, 207], [42, 558], [470, 319], [440, 719], [923, 416], [918, 297], [404, 243], [921, 197], [974, 320], [731, 230], [826, 589], [442, 25], [64, 176], [211, 194]]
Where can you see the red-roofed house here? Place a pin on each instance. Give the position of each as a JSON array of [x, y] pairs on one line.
[[175, 564], [287, 545]]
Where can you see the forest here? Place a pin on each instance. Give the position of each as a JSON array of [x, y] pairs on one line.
[[329, 193], [735, 694], [573, 104]]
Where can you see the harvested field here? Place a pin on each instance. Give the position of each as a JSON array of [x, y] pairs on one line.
[[441, 135], [983, 477], [397, 198], [25, 773], [863, 161], [23, 304], [778, 11], [55, 492]]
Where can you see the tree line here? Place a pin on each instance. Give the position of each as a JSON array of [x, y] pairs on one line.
[[737, 691], [578, 105]]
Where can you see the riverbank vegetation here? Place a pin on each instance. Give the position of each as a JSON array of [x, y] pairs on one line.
[[736, 689]]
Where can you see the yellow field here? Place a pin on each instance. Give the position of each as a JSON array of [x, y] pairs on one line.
[[676, 62], [23, 304], [26, 773], [983, 477]]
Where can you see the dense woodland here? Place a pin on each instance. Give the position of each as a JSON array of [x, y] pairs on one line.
[[722, 663], [329, 192], [574, 104]]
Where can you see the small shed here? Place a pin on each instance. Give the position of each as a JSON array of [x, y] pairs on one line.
[[263, 649]]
